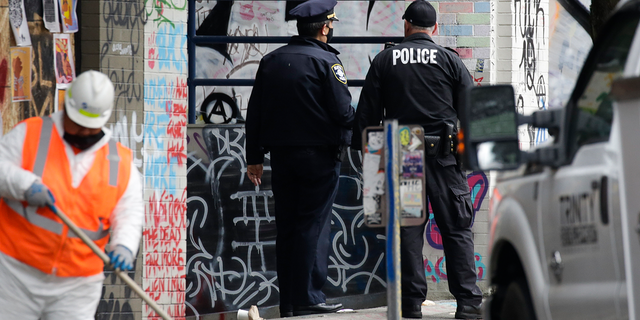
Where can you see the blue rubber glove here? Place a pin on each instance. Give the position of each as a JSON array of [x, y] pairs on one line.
[[38, 195], [121, 258]]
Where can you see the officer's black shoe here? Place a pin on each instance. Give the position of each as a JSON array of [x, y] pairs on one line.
[[317, 308], [286, 314], [469, 312], [413, 311]]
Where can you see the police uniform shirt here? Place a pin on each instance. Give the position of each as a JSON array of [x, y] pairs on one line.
[[300, 98], [415, 82]]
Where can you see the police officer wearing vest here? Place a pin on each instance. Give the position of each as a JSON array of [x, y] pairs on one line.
[[300, 112], [69, 160], [419, 82]]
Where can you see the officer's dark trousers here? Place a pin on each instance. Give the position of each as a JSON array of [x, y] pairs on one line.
[[305, 184], [448, 192]]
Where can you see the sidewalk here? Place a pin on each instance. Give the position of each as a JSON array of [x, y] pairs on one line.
[[442, 309]]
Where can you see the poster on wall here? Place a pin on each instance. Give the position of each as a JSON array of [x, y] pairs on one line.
[[21, 73], [69, 17], [63, 59], [50, 16], [18, 19], [61, 91]]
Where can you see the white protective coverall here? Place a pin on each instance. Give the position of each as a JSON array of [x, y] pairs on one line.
[[27, 293]]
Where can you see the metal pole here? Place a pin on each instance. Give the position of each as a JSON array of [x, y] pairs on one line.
[[392, 172], [123, 275]]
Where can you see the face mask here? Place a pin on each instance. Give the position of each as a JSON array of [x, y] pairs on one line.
[[84, 142], [329, 35]]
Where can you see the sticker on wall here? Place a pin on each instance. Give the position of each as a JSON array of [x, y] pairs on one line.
[[63, 59], [18, 19], [375, 142], [405, 136], [21, 73], [69, 17], [480, 65], [50, 15], [373, 185], [411, 197], [412, 164]]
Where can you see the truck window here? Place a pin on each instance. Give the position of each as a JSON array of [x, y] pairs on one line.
[[593, 114]]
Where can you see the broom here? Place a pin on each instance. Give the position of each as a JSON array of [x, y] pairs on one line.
[[134, 286]]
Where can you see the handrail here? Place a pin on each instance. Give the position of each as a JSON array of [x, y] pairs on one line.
[[283, 39], [247, 82]]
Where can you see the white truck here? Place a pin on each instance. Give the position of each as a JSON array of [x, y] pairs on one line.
[[564, 217]]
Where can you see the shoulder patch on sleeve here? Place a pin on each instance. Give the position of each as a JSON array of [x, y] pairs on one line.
[[338, 72]]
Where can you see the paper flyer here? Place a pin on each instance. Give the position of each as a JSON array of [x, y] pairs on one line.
[[18, 19], [21, 73], [69, 16], [63, 59], [50, 15]]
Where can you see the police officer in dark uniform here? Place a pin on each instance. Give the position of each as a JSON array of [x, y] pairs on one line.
[[420, 82], [300, 111]]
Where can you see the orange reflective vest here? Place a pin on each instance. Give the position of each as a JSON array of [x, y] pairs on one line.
[[36, 236]]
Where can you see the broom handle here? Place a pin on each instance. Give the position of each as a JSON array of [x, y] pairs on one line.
[[132, 284]]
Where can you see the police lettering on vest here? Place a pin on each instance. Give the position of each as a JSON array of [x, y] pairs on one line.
[[418, 55]]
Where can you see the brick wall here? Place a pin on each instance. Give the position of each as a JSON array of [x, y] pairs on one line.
[[111, 42], [165, 119], [466, 27]]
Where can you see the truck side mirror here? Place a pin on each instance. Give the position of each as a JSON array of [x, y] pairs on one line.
[[489, 137]]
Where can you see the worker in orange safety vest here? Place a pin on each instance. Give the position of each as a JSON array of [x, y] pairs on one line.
[[69, 160]]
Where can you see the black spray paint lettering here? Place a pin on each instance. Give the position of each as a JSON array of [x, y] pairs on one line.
[[408, 55], [129, 19], [527, 12]]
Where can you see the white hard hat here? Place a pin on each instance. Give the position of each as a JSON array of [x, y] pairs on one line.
[[89, 99]]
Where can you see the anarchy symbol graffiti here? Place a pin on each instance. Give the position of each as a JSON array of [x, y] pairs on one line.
[[219, 108]]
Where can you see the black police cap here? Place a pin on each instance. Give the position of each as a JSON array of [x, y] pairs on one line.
[[315, 11], [420, 13]]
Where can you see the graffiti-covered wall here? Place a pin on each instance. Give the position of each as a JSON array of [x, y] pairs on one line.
[[165, 158], [226, 224], [120, 56], [231, 234], [522, 50], [540, 48], [111, 42], [215, 209]]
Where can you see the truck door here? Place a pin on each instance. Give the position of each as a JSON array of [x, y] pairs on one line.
[[580, 242]]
